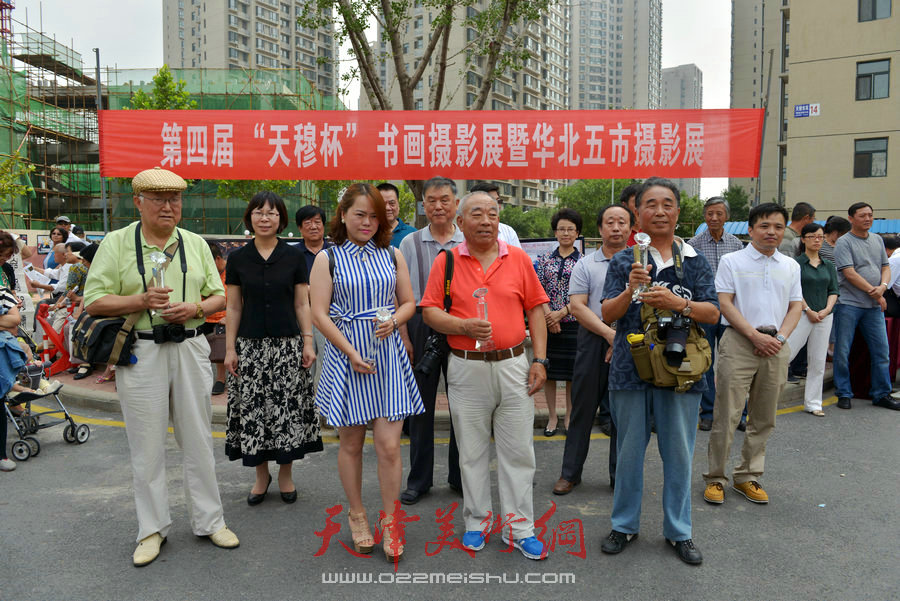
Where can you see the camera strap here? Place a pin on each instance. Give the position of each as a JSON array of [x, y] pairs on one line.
[[448, 277], [169, 252]]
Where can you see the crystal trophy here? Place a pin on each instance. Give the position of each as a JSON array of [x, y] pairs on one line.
[[382, 315], [480, 294], [643, 241], [159, 273]]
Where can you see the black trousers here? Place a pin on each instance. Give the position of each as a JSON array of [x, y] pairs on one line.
[[421, 427], [589, 391]]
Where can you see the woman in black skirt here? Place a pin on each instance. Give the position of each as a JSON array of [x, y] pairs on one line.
[[268, 350], [554, 270]]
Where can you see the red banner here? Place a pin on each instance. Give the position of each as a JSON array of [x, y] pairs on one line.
[[347, 145]]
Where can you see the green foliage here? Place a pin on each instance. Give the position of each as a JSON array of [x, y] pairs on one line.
[[588, 196], [167, 94], [739, 201], [691, 216], [12, 172], [407, 204], [534, 223], [245, 189]]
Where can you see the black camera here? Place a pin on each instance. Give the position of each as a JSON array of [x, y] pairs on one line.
[[674, 330], [436, 349], [168, 332]]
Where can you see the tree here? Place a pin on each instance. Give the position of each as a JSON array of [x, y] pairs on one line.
[[588, 196], [738, 201], [495, 43], [167, 94], [12, 172], [534, 223], [691, 216]]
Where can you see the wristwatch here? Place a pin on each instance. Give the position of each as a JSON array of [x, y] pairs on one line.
[[199, 314], [544, 362], [687, 308], [780, 338]]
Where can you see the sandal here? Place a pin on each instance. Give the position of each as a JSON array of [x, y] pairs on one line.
[[391, 545], [106, 378], [360, 532]]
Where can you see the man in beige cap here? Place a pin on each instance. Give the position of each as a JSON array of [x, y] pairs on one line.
[[170, 373]]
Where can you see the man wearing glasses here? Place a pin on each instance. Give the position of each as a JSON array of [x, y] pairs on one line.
[[170, 375]]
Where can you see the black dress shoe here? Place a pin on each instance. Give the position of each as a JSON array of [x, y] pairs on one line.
[[411, 497], [254, 499], [742, 425], [888, 403], [83, 372], [616, 541], [705, 425], [843, 402], [289, 497], [686, 551], [606, 428], [457, 488]]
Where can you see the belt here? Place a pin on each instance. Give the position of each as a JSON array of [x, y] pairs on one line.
[[507, 353], [187, 334]]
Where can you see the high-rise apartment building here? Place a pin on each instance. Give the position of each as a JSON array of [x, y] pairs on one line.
[[832, 116], [615, 53], [541, 83], [682, 88], [248, 34]]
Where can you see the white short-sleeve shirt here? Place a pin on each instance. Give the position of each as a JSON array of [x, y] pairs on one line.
[[762, 286]]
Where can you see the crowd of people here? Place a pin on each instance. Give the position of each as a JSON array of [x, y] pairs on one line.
[[650, 333]]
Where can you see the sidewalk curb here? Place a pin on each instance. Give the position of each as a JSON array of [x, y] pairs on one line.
[[85, 398]]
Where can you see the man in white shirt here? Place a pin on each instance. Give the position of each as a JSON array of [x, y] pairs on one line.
[[891, 244], [761, 302], [505, 233]]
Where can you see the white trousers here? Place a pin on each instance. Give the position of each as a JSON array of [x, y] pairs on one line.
[[815, 337], [482, 393], [170, 380]]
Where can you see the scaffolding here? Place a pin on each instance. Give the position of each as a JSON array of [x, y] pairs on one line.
[[48, 114]]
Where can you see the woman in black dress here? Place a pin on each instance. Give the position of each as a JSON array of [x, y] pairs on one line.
[[268, 350]]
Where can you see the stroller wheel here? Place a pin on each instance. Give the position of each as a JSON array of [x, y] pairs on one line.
[[69, 433], [82, 433], [34, 444], [21, 450], [32, 424]]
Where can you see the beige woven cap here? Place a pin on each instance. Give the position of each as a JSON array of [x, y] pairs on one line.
[[157, 180]]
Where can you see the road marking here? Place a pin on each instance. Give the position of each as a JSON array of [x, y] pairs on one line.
[[404, 441]]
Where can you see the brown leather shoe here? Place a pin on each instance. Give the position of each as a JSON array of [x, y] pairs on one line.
[[564, 487]]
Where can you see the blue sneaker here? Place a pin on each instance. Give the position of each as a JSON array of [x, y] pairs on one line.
[[473, 540], [531, 547]]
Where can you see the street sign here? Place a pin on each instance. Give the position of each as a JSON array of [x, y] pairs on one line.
[[801, 110]]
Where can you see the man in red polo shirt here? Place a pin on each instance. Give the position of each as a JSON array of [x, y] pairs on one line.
[[492, 387]]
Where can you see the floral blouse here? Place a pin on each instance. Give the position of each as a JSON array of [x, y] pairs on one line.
[[554, 272]]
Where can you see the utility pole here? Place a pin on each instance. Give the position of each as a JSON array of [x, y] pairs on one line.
[[103, 201]]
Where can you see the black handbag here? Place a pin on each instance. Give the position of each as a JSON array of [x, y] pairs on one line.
[[104, 339]]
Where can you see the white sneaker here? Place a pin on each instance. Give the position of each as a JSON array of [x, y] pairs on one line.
[[896, 395], [7, 465]]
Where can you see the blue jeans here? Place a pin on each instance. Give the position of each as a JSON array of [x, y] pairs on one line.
[[871, 324], [676, 428], [714, 333]]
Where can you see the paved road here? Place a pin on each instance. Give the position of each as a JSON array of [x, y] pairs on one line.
[[67, 528]]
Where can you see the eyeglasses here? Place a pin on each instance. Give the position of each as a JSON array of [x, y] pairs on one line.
[[159, 202], [566, 230], [814, 237], [273, 215]]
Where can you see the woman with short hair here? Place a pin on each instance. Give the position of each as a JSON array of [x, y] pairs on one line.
[[268, 350], [554, 270]]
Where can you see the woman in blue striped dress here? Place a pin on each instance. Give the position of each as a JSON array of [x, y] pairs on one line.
[[362, 381]]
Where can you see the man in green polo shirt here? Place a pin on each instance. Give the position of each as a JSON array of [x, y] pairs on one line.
[[171, 376]]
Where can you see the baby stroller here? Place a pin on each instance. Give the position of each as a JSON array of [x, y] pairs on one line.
[[29, 421]]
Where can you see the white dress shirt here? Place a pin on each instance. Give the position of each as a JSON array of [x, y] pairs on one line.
[[894, 261], [762, 286], [508, 235]]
